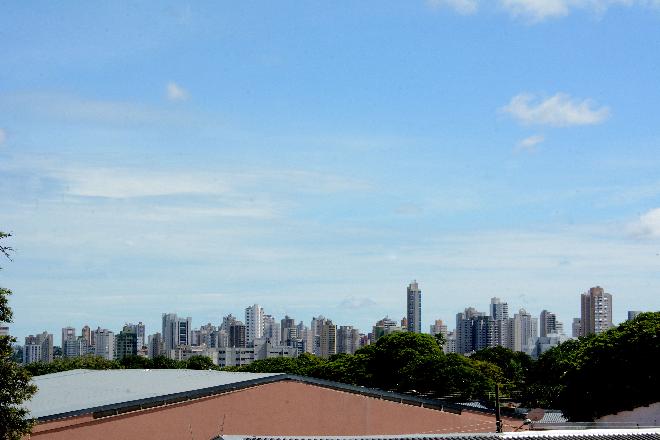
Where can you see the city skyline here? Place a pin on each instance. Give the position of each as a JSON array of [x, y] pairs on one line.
[[498, 309], [314, 158]]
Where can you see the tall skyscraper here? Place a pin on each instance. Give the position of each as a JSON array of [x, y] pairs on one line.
[[138, 329], [474, 331], [237, 334], [576, 327], [87, 335], [254, 323], [596, 307], [176, 331], [414, 309], [69, 345], [348, 339], [105, 343], [38, 348], [154, 345], [548, 322], [499, 310], [126, 343], [525, 332], [328, 339]]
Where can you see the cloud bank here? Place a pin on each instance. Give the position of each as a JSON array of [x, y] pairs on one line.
[[560, 110]]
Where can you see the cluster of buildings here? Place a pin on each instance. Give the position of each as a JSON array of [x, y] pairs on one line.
[[260, 335]]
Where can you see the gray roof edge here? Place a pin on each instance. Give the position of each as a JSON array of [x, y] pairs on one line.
[[382, 394], [150, 402], [615, 434]]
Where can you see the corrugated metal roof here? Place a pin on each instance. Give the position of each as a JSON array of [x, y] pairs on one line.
[[592, 434], [78, 390]]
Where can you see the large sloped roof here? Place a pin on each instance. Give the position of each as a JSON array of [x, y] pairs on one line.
[[81, 391], [578, 434]]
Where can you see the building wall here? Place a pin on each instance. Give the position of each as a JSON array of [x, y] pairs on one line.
[[642, 416], [281, 408]]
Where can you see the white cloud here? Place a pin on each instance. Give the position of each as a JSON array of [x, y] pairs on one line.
[[120, 183], [176, 93], [529, 143], [536, 11], [72, 108], [3, 136], [464, 7], [559, 110], [648, 225]]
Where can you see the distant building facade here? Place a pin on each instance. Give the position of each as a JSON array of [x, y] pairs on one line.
[[596, 311], [414, 307]]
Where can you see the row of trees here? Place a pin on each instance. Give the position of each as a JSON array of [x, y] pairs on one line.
[[585, 378], [99, 363]]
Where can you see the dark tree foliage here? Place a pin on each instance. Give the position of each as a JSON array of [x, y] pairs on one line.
[[15, 385], [65, 364], [614, 371], [404, 362], [200, 363], [515, 368]]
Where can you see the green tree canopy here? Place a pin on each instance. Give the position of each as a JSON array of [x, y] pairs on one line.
[[15, 385]]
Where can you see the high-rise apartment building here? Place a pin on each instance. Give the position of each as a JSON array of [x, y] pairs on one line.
[[139, 331], [154, 345], [328, 339], [237, 334], [548, 323], [69, 345], [576, 327], [254, 323], [525, 332], [348, 339], [414, 308], [176, 331], [499, 310], [105, 343], [126, 342], [86, 334], [474, 331], [38, 348], [632, 314], [596, 307], [438, 327], [272, 331]]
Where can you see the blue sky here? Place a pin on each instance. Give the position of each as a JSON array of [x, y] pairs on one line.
[[315, 157]]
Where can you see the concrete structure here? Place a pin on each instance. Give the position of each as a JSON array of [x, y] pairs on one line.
[[596, 308], [69, 346], [548, 323], [348, 339], [126, 343], [176, 331], [254, 323], [525, 332], [154, 345], [632, 314], [414, 307], [139, 331], [328, 339], [474, 331], [86, 334], [499, 310], [38, 348], [576, 327], [384, 327], [178, 404], [105, 343], [237, 335]]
